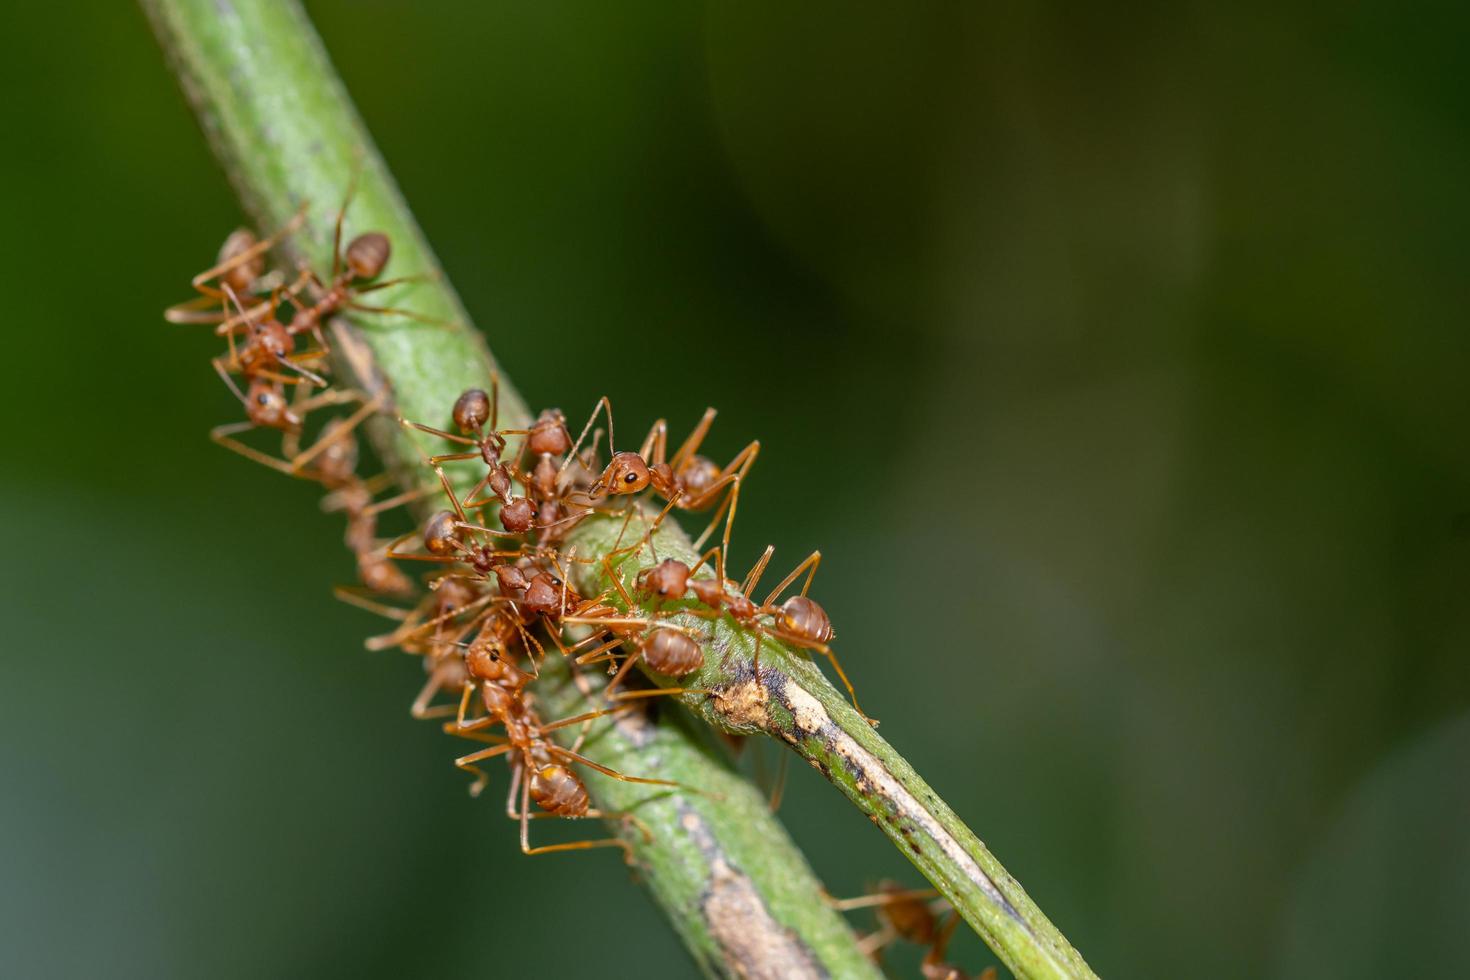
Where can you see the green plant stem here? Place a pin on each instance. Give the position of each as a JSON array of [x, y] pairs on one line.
[[789, 699], [736, 889], [739, 893]]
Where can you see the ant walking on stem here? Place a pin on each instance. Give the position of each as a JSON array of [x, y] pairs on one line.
[[688, 481]]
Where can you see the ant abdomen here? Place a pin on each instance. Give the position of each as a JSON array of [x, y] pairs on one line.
[[698, 474], [673, 653], [806, 619], [549, 434], [382, 576], [242, 275], [556, 789], [441, 533], [367, 255], [471, 410]]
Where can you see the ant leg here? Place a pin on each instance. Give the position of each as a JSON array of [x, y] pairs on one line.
[[510, 797], [603, 405], [212, 309], [617, 679], [421, 709], [655, 692], [224, 436], [449, 491], [617, 582], [451, 458], [874, 942], [825, 651], [342, 213], [877, 898], [338, 433], [732, 497], [622, 777], [743, 460], [654, 526], [246, 315], [224, 375], [463, 440], [596, 655], [579, 719], [757, 571], [809, 565], [428, 321], [388, 503], [354, 596], [467, 763], [407, 632], [200, 309], [655, 444], [779, 789], [580, 845], [691, 445], [398, 281], [201, 281], [326, 399]]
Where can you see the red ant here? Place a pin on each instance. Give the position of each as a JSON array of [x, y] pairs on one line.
[[688, 481], [266, 407], [933, 966], [537, 764], [800, 620], [473, 411], [916, 917], [240, 266]]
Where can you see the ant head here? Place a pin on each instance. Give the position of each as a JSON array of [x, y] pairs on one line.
[[667, 580], [549, 434], [471, 410], [453, 594], [266, 405], [368, 254], [512, 580], [441, 536], [543, 594], [274, 338], [486, 660], [627, 473]]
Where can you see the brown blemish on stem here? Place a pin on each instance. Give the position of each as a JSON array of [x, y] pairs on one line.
[[877, 786], [744, 704], [754, 944]]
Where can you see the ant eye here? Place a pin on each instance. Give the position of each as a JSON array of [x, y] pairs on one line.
[[263, 398], [630, 478]]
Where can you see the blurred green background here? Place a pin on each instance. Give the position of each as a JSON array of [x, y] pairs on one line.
[[1115, 360]]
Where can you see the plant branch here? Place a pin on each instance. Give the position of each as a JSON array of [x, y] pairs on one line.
[[737, 890], [790, 700], [735, 887]]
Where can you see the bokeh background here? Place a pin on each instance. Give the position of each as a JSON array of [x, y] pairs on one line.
[[1117, 362]]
